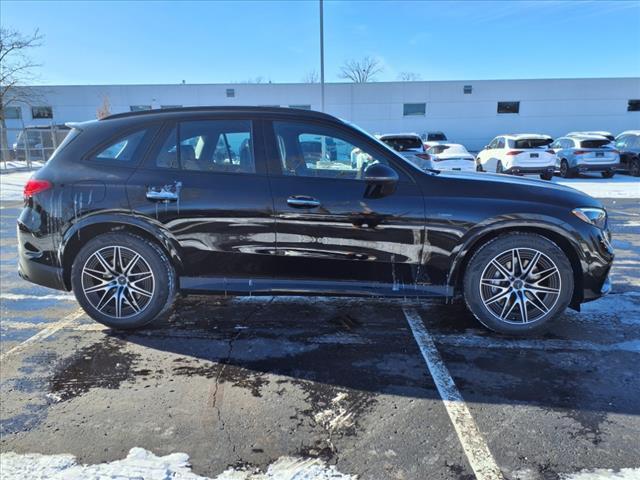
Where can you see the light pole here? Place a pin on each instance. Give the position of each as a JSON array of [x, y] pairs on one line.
[[321, 58]]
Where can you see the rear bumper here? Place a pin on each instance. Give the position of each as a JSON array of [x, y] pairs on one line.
[[41, 274], [597, 167], [518, 170]]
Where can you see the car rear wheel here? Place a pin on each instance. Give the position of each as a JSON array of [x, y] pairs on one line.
[[517, 283], [634, 167], [607, 174], [122, 280], [565, 171]]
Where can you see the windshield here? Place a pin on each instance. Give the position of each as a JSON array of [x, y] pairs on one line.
[[532, 142], [401, 144], [594, 143], [436, 137]]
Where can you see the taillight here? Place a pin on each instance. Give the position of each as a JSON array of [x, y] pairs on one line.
[[552, 152], [424, 156], [579, 152], [34, 186], [514, 152]]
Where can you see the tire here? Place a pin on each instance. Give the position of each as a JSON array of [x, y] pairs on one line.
[[479, 167], [565, 171], [492, 298], [607, 174], [634, 167], [499, 167], [118, 301], [546, 176]]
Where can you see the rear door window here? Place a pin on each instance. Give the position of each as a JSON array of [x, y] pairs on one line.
[[209, 146]]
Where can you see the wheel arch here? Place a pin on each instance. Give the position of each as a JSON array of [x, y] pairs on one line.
[[90, 227], [461, 260]]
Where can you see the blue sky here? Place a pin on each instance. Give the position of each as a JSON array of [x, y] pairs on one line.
[[219, 42]]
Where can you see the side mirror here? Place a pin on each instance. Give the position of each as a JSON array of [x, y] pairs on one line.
[[381, 180]]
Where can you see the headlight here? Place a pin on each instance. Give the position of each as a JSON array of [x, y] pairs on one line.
[[594, 216]]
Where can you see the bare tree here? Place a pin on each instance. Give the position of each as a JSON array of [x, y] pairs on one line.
[[104, 110], [360, 71], [16, 71], [311, 77], [409, 77]]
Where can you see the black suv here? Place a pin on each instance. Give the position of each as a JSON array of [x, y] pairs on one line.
[[133, 208], [628, 144]]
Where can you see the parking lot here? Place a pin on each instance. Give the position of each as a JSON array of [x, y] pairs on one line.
[[326, 387]]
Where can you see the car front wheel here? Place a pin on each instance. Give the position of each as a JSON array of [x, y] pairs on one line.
[[517, 283], [122, 280], [634, 167]]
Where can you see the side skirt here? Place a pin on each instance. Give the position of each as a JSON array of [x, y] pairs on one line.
[[261, 286]]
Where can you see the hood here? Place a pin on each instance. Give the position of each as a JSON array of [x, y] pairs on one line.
[[515, 188]]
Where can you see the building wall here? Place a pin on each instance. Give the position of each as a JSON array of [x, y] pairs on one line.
[[553, 107]]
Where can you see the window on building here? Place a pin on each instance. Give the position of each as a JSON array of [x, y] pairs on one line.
[[301, 107], [308, 150], [123, 149], [209, 146], [231, 92], [467, 89], [165, 107], [139, 108], [410, 109], [633, 106], [41, 112], [508, 107], [12, 113]]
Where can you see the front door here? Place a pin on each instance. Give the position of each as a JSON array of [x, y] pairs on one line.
[[205, 182], [332, 229]]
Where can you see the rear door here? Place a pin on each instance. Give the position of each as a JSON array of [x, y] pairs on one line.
[[205, 183], [332, 231]]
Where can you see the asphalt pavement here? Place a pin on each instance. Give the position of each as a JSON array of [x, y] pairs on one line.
[[239, 383]]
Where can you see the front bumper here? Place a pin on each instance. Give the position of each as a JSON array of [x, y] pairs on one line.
[[595, 271]]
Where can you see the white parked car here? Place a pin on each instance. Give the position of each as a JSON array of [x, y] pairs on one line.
[[410, 146], [518, 154], [608, 135], [452, 156], [433, 138]]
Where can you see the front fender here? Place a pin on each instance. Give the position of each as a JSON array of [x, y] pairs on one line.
[[526, 222], [115, 220]]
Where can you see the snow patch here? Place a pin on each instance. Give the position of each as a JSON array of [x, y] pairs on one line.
[[604, 473], [141, 464], [617, 187], [12, 185], [337, 415]]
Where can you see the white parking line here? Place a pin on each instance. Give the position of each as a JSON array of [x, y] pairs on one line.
[[475, 447], [20, 296], [47, 332]]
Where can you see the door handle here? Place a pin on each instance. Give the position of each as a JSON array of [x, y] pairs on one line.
[[166, 193], [302, 201]]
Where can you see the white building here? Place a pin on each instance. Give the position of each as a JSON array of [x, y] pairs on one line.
[[469, 112]]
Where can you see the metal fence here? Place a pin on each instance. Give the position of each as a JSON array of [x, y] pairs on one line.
[[29, 147]]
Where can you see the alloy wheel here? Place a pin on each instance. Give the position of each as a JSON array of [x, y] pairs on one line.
[[118, 282], [520, 285]]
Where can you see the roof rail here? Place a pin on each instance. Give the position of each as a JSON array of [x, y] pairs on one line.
[[219, 108]]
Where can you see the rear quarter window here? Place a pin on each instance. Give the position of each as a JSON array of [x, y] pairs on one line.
[[124, 149]]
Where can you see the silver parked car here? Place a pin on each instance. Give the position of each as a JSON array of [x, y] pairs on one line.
[[585, 153], [410, 146]]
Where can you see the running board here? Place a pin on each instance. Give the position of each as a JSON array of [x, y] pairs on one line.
[[266, 286]]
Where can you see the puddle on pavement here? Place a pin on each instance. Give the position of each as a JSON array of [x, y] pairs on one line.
[[101, 365]]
